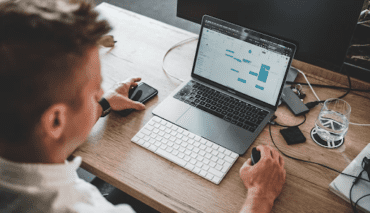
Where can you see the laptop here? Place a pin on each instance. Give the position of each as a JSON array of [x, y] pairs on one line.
[[235, 85]]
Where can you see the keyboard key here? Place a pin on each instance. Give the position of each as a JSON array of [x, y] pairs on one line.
[[193, 161], [182, 149], [228, 159], [209, 176], [157, 119], [218, 167], [205, 167], [141, 142], [202, 173], [152, 148], [200, 158], [206, 161], [220, 155], [190, 147], [208, 156], [187, 158], [145, 131], [221, 162], [140, 135], [189, 166], [169, 125], [212, 164], [191, 141], [171, 157], [180, 155], [196, 170], [227, 152], [135, 139], [199, 164], [234, 155], [215, 146], [216, 172], [214, 158], [203, 141], [221, 149], [216, 180]]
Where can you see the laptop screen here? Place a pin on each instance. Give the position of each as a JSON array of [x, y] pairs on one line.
[[243, 60]]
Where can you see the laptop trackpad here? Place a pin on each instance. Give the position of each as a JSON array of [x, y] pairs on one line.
[[203, 124]]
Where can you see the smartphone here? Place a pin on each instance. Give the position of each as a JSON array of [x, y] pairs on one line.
[[141, 93]]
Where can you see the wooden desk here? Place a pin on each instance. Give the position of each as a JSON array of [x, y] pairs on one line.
[[110, 155]]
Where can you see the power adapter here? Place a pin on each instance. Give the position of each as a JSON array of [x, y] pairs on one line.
[[293, 135], [293, 102]]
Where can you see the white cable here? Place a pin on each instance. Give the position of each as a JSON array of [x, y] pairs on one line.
[[319, 99], [313, 91], [173, 47]]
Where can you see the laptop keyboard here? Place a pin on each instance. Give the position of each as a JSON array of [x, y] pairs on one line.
[[222, 105], [186, 149]]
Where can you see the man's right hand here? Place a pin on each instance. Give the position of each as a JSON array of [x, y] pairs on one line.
[[265, 179]]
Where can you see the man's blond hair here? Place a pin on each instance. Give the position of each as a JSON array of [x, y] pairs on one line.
[[42, 47]]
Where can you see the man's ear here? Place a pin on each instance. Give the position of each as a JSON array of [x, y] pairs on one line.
[[53, 121]]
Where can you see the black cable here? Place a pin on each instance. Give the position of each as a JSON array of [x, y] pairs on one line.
[[350, 191], [349, 86], [350, 198], [360, 199], [276, 123], [312, 104], [326, 86], [310, 161]]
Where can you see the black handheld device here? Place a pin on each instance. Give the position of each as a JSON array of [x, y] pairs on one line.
[[141, 93], [256, 155]]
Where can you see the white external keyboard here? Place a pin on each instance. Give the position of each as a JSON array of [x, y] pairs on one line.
[[186, 149]]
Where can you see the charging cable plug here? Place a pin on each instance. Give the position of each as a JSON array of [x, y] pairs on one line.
[[272, 120], [312, 104]]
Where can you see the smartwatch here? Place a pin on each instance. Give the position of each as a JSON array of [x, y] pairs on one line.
[[106, 107]]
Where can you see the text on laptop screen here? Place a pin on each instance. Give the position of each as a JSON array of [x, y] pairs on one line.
[[243, 60]]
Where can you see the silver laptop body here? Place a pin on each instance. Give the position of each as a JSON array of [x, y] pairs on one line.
[[238, 76]]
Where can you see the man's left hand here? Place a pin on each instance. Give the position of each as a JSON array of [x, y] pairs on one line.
[[118, 96]]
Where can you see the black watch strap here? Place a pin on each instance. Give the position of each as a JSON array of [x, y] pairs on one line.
[[106, 107]]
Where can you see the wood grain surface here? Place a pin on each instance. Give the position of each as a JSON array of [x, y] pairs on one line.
[[110, 155]]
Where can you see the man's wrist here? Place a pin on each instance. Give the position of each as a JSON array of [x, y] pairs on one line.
[[258, 201]]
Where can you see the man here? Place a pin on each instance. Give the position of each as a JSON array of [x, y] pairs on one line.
[[51, 98]]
